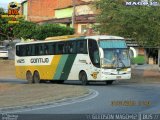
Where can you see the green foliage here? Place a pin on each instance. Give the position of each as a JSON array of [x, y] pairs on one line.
[[1, 10], [141, 23], [140, 60], [48, 30], [30, 30], [25, 29]]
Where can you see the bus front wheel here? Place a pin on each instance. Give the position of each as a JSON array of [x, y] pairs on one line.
[[36, 77], [83, 78], [29, 77]]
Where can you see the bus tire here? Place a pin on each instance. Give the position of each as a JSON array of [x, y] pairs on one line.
[[36, 77], [83, 78], [29, 77], [109, 82]]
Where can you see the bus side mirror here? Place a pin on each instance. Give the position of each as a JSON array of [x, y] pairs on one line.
[[101, 53]]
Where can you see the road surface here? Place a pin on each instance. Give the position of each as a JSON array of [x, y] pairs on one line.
[[117, 98]]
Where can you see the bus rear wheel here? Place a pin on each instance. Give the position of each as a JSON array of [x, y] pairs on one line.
[[36, 77], [109, 82], [29, 77], [83, 78]]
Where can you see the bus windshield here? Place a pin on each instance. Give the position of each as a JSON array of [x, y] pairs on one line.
[[115, 58]]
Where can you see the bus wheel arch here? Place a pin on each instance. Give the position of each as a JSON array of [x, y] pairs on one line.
[[83, 77], [29, 77], [36, 77]]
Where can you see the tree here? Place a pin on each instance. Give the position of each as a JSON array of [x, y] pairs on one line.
[[24, 29], [139, 22], [1, 10], [50, 30]]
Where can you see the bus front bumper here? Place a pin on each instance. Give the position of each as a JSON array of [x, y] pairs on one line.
[[116, 77]]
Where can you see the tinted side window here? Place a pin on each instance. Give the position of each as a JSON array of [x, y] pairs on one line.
[[70, 47], [39, 49], [60, 48], [82, 46], [32, 50], [23, 50], [50, 47], [18, 50], [94, 52]]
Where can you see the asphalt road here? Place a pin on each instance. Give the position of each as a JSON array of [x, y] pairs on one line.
[[113, 99], [117, 98]]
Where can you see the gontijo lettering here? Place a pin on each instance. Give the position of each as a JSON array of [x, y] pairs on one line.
[[39, 60]]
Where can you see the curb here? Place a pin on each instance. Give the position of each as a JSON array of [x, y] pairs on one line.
[[65, 101]]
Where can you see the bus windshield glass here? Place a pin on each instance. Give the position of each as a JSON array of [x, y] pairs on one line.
[[116, 58], [116, 54]]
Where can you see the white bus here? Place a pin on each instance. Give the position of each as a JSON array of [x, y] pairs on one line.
[[89, 58]]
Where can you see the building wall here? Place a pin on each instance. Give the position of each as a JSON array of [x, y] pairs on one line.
[[39, 10], [63, 13], [25, 10], [84, 10], [64, 3]]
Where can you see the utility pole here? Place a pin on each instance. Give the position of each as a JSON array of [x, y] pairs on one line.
[[73, 14]]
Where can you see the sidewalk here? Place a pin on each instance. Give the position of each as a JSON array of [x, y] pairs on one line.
[[146, 67], [146, 70]]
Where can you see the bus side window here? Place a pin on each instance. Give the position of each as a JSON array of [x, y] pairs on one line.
[[60, 48], [94, 52], [23, 49], [82, 47], [36, 49], [39, 49], [32, 50], [70, 47], [18, 51], [51, 48], [46, 49]]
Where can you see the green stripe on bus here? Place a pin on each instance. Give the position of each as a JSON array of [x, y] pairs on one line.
[[68, 66], [60, 67]]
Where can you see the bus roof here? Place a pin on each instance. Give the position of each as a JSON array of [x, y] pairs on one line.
[[73, 37], [97, 37]]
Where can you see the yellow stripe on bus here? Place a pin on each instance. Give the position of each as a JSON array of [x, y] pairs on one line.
[[46, 72]]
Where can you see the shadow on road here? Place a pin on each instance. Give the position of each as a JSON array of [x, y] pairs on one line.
[[13, 81]]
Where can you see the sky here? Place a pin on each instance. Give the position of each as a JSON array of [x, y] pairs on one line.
[[4, 3]]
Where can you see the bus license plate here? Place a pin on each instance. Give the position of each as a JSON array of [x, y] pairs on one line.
[[118, 77]]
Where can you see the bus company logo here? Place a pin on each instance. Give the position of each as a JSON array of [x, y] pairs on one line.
[[13, 8], [94, 75]]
